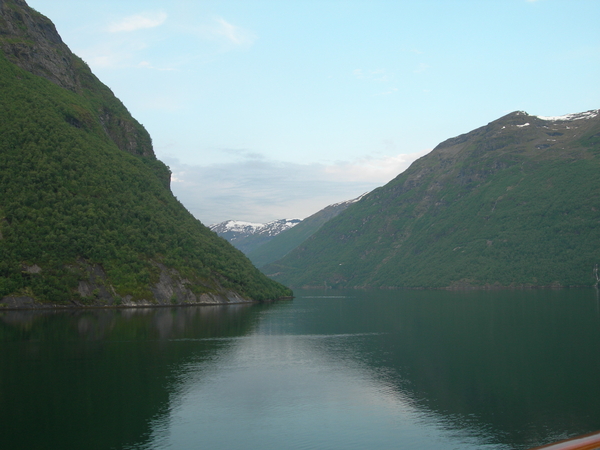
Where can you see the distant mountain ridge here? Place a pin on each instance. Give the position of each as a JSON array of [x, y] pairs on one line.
[[515, 203], [289, 239], [247, 236]]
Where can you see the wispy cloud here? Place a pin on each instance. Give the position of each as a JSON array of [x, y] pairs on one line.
[[371, 168], [242, 153], [120, 48], [118, 55], [112, 54], [257, 189], [138, 22], [234, 34], [221, 30]]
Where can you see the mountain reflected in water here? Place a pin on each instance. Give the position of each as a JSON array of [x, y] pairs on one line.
[[352, 369], [96, 378]]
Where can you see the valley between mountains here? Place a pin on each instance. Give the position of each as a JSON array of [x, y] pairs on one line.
[[87, 216], [512, 204]]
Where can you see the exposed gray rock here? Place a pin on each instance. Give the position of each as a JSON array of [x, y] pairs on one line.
[[95, 290], [172, 289], [32, 269], [35, 45], [96, 287], [23, 302], [30, 40]]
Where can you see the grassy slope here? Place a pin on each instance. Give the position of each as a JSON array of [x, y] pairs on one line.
[[499, 206], [70, 194]]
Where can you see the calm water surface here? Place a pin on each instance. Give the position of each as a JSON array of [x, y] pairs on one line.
[[328, 370]]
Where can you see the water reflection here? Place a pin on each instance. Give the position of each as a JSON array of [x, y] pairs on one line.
[[96, 378], [495, 370], [282, 391]]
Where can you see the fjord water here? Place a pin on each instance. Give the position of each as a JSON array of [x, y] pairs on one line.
[[327, 370]]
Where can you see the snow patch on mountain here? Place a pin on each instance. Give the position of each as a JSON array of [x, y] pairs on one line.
[[349, 202], [238, 225], [236, 229], [576, 116]]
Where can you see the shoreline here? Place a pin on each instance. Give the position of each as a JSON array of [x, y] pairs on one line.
[[32, 305]]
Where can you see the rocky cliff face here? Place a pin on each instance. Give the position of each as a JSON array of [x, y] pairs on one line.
[[30, 40], [94, 289]]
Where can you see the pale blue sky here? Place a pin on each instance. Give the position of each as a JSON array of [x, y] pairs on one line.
[[273, 109]]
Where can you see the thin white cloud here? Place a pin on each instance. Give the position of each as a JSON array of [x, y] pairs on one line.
[[256, 189], [234, 34], [123, 49], [372, 169], [221, 30], [242, 153], [120, 53], [110, 55], [138, 22]]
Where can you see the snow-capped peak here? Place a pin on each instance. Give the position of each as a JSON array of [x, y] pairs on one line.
[[239, 225], [575, 116], [249, 228]]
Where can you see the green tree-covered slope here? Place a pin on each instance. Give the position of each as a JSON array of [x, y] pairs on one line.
[[291, 238], [514, 203], [86, 213]]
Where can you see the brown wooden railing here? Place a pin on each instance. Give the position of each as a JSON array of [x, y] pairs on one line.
[[589, 441]]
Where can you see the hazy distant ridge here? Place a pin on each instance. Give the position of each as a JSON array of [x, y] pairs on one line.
[[289, 239]]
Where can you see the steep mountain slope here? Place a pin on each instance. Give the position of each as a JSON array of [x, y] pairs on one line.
[[86, 214], [513, 203], [248, 236], [291, 238]]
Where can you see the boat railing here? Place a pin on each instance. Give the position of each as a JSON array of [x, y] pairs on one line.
[[589, 441]]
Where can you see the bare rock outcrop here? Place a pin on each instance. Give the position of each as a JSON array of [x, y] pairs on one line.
[[30, 40]]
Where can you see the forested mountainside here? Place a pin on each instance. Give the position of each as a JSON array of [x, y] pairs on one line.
[[515, 203], [86, 213], [289, 239]]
